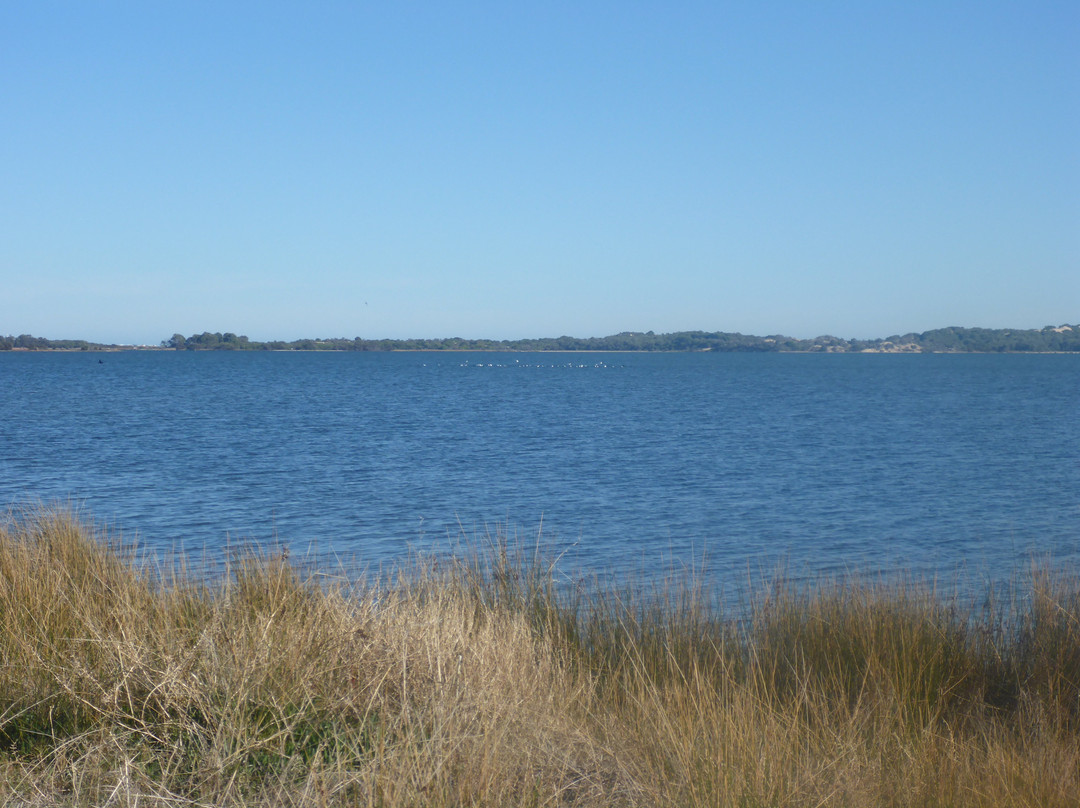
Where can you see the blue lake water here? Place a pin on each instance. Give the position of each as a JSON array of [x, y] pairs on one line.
[[736, 462]]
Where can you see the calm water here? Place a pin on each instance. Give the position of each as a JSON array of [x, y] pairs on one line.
[[829, 462]]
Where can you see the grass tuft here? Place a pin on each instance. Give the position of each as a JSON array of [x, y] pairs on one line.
[[483, 683]]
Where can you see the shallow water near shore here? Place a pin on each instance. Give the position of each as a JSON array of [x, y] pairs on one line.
[[731, 463]]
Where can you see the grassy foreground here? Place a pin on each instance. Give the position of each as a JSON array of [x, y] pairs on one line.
[[479, 684]]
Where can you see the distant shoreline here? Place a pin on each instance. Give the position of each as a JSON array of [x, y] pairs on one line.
[[1061, 339], [159, 349]]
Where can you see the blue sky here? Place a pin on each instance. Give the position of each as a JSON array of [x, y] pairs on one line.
[[507, 170]]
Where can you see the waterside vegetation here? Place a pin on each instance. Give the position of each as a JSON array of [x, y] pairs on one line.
[[480, 683], [948, 340], [1051, 339]]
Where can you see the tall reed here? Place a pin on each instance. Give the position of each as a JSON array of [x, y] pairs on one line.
[[481, 682]]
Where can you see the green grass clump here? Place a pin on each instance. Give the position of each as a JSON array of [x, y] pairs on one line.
[[483, 683]]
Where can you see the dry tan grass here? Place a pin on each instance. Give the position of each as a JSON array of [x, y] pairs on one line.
[[481, 685]]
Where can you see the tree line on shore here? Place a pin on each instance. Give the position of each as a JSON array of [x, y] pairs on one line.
[[1063, 338]]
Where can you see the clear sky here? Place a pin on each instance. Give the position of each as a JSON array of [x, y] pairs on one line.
[[508, 170]]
